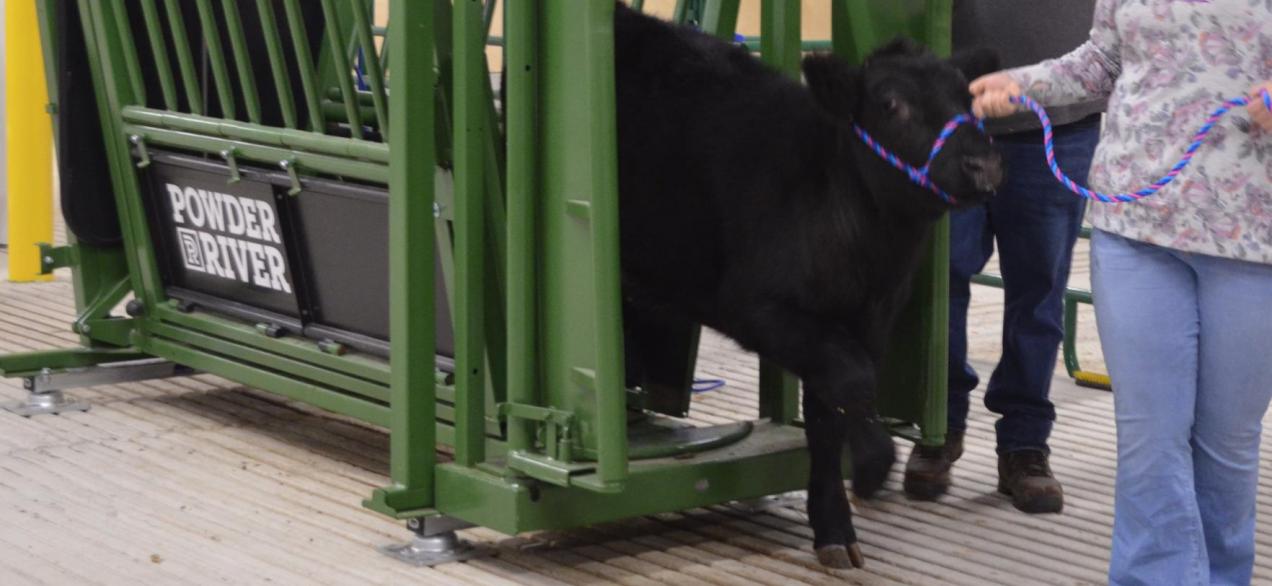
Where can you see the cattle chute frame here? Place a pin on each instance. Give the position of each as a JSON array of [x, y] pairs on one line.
[[288, 222]]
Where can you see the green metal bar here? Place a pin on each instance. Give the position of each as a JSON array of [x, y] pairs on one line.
[[638, 5], [317, 395], [721, 18], [305, 61], [185, 60], [277, 62], [265, 135], [294, 368], [371, 59], [372, 172], [413, 433], [304, 350], [216, 58], [521, 115], [780, 48], [113, 92], [469, 133], [123, 27], [341, 61], [27, 363], [159, 48], [611, 390], [488, 18], [242, 60]]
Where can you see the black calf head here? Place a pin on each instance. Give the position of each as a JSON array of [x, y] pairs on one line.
[[903, 96]]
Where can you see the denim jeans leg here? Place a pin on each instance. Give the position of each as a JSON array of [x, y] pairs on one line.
[[1233, 390], [1036, 223], [971, 244], [1152, 354]]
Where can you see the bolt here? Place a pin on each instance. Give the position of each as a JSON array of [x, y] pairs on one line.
[[437, 210], [135, 139], [225, 154], [48, 260], [413, 524], [86, 329], [284, 165]]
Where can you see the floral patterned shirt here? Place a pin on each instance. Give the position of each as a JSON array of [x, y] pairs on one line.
[[1165, 65]]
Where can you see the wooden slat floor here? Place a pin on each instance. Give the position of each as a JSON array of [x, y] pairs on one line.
[[198, 480]]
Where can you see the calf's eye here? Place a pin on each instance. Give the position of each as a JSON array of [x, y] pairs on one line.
[[896, 108]]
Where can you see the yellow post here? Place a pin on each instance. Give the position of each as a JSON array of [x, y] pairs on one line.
[[28, 141]]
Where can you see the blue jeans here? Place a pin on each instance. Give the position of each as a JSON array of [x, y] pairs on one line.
[[1186, 338], [1036, 222]]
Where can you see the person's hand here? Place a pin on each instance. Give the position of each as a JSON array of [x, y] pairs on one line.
[[992, 94], [1258, 106]]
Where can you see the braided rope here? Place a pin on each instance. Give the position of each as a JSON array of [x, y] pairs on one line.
[[920, 175], [1198, 139]]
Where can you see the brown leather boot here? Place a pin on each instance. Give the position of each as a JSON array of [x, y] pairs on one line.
[[927, 472], [1025, 476]]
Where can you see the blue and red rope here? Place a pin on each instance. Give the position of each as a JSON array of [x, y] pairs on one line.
[[921, 175]]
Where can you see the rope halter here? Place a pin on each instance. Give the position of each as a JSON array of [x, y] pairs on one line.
[[921, 175]]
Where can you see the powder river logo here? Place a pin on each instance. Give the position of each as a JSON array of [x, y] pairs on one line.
[[227, 236]]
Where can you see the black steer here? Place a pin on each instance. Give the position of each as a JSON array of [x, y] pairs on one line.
[[747, 204]]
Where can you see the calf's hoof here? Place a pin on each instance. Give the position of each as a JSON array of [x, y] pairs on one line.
[[841, 557]]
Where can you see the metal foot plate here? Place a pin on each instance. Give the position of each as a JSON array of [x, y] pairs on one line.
[[50, 403], [433, 550]]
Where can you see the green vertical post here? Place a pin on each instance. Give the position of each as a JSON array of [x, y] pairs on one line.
[[344, 72], [412, 427], [216, 57], [779, 48], [469, 132], [277, 61], [362, 26], [305, 63], [582, 318], [159, 50], [124, 27], [522, 119], [721, 18], [242, 60], [185, 59]]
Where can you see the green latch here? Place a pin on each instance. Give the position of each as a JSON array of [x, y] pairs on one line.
[[556, 427]]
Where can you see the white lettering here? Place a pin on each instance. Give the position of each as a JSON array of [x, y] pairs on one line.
[[191, 199], [259, 275], [249, 213], [178, 203], [232, 250], [216, 213], [277, 270], [234, 215], [211, 255], [267, 222]]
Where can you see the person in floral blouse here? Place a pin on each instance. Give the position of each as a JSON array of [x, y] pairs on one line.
[[1182, 280]]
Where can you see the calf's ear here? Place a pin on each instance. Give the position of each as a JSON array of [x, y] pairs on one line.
[[977, 62], [834, 83]]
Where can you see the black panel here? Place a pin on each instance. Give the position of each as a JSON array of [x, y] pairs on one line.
[[88, 202], [222, 239], [345, 242]]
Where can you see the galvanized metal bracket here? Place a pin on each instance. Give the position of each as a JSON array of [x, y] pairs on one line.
[[46, 394], [435, 542], [143, 154], [289, 166], [232, 162]]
